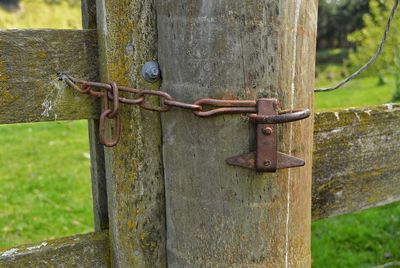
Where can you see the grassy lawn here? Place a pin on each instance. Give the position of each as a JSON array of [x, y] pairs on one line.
[[45, 182], [361, 92], [363, 239], [45, 187], [367, 238]]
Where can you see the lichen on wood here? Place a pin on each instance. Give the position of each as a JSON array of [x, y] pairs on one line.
[[30, 61], [87, 250], [128, 39], [356, 159]]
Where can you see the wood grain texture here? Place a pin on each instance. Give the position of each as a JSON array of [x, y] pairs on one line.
[[16, 93], [356, 160], [219, 215], [97, 164], [88, 250], [89, 18], [30, 61], [135, 187]]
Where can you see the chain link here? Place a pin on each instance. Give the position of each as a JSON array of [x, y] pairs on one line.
[[205, 107], [110, 114], [167, 101]]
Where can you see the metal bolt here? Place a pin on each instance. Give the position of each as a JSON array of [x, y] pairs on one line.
[[267, 131], [151, 72], [267, 163]]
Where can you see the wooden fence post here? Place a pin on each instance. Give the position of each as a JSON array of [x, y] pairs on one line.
[[99, 185], [127, 39], [219, 215]]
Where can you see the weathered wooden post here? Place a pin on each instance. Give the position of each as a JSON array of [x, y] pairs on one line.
[[219, 215], [127, 39], [99, 187]]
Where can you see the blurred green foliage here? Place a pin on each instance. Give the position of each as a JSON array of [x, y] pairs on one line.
[[367, 40], [338, 18], [40, 14]]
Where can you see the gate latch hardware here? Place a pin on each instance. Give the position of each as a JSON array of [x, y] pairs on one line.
[[264, 112], [266, 158]]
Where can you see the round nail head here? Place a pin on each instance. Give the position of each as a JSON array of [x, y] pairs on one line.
[[151, 72], [267, 131]]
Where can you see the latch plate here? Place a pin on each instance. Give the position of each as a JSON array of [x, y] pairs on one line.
[[266, 158], [267, 138]]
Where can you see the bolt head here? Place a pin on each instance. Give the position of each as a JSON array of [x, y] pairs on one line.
[[155, 72], [267, 163], [267, 131], [151, 72]]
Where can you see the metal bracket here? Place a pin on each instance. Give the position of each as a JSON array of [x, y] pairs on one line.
[[266, 158]]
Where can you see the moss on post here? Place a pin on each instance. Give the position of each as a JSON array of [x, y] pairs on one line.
[[30, 61], [127, 39]]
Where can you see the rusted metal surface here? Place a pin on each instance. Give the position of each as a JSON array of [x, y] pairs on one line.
[[228, 107], [266, 158], [248, 160], [285, 116], [217, 106], [110, 114], [264, 112], [167, 101], [267, 138]]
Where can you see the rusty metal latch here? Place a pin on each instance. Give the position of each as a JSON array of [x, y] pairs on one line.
[[264, 112], [266, 158]]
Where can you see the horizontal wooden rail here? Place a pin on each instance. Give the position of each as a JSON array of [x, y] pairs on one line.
[[356, 160], [356, 154], [88, 250], [29, 62]]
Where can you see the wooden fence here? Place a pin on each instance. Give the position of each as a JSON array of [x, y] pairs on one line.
[[355, 158]]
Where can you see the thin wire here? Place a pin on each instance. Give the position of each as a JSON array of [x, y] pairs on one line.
[[372, 60]]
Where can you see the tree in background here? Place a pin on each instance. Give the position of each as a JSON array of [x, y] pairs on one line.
[[59, 14], [9, 5], [13, 5], [367, 40], [338, 18]]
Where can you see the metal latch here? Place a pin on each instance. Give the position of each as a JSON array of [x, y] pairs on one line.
[[264, 112], [266, 158]]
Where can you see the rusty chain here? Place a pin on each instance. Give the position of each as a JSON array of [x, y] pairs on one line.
[[111, 93]]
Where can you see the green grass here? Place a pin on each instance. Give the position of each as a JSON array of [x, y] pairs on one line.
[[45, 187], [45, 182], [360, 92], [363, 239], [367, 238]]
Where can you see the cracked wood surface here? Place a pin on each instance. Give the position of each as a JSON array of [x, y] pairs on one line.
[[135, 183], [333, 129], [87, 250], [219, 215], [97, 164], [30, 61], [356, 160]]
